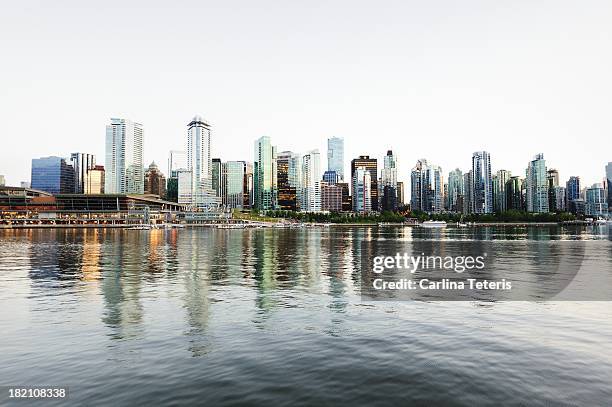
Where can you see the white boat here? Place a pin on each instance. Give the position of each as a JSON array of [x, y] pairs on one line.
[[462, 225], [601, 221], [434, 224], [140, 227]]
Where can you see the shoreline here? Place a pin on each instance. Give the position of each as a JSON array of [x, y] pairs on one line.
[[274, 225]]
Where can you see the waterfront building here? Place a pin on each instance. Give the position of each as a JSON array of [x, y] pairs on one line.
[[331, 197], [389, 182], [232, 184], [455, 190], [347, 201], [216, 176], [331, 177], [553, 182], [482, 183], [537, 185], [335, 156], [558, 201], [264, 175], [427, 187], [155, 181], [572, 191], [124, 157], [247, 193], [199, 163], [609, 183], [596, 204], [499, 190], [184, 187], [95, 180], [362, 185], [371, 165], [310, 197], [468, 206], [288, 170], [514, 195], [82, 163], [52, 175], [400, 193]]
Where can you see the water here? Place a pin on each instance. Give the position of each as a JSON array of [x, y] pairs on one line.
[[272, 316]]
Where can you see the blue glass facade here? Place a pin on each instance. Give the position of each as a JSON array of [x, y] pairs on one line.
[[53, 175]]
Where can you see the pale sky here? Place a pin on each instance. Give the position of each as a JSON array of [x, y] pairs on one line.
[[431, 79]]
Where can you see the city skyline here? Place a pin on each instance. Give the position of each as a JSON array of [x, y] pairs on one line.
[[438, 81]]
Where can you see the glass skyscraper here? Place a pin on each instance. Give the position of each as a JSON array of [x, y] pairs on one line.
[[310, 197], [264, 175], [537, 185], [596, 201], [455, 190], [371, 164], [53, 175], [335, 156], [427, 187], [199, 163], [124, 157], [82, 164], [609, 183], [232, 184], [482, 183]]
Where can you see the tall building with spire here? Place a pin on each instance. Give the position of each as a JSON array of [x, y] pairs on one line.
[[124, 157], [389, 182]]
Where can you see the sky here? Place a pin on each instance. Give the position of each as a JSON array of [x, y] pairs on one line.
[[436, 80]]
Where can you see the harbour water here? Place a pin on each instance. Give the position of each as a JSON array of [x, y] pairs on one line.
[[275, 316]]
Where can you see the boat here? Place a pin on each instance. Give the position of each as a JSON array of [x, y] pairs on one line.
[[434, 224], [601, 221], [462, 225]]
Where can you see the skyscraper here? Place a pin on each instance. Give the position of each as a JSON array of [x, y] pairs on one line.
[[264, 175], [596, 202], [468, 196], [537, 185], [232, 184], [572, 193], [362, 185], [370, 164], [552, 180], [199, 164], [500, 191], [288, 169], [216, 176], [81, 163], [455, 190], [609, 183], [514, 195], [389, 182], [2, 181], [427, 187], [482, 183], [53, 175], [335, 156], [124, 157], [311, 182], [400, 193]]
